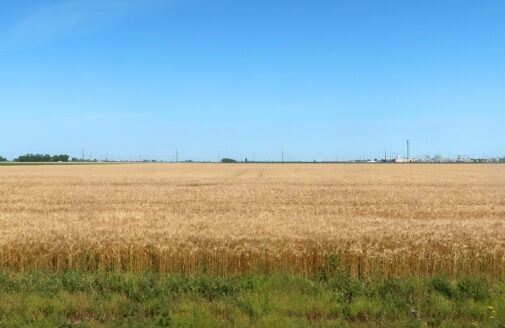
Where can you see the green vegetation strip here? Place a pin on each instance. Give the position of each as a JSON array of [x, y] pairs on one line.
[[111, 299]]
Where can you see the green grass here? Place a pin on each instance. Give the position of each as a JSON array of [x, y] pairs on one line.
[[111, 299]]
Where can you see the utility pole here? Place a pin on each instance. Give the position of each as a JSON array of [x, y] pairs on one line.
[[82, 154], [282, 151], [385, 155], [408, 149], [176, 155]]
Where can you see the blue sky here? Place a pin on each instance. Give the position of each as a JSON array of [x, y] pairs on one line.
[[128, 79]]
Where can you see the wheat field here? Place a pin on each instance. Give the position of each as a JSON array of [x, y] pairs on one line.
[[380, 219]]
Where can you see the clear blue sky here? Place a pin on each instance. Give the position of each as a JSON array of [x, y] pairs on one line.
[[321, 79]]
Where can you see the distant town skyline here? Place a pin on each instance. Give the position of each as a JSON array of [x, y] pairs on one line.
[[320, 80]]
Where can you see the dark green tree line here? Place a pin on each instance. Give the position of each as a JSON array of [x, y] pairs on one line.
[[42, 158]]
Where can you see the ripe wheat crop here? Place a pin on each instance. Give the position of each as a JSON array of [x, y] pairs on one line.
[[231, 218]]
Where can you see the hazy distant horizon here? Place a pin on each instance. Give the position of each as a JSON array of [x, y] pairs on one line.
[[281, 158]]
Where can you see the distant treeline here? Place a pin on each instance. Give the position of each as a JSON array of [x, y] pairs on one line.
[[75, 159], [66, 158], [42, 158]]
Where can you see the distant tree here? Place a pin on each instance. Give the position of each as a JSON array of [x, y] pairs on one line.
[[228, 160], [42, 158], [3, 159], [75, 159], [60, 158]]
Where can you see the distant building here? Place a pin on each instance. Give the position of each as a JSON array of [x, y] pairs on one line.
[[405, 160], [464, 159]]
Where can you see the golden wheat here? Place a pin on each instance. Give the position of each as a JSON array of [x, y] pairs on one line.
[[380, 219]]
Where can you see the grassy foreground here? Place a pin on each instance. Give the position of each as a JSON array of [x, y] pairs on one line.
[[111, 299]]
